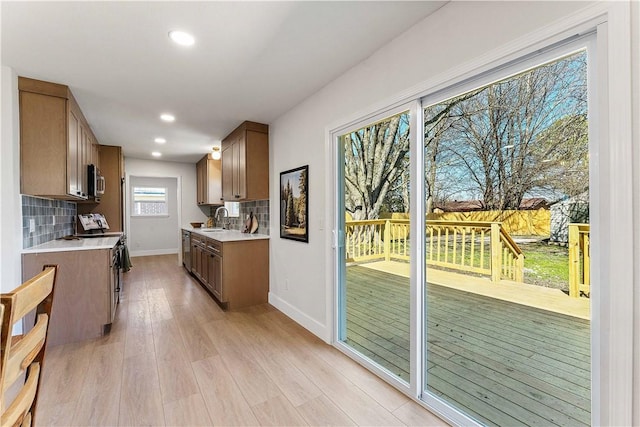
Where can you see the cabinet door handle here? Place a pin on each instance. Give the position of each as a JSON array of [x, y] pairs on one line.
[[237, 196]]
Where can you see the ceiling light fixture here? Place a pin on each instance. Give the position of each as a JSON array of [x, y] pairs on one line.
[[160, 140], [166, 117], [216, 153], [181, 38], [156, 154]]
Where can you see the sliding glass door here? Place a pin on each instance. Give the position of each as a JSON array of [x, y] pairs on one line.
[[463, 236], [507, 248], [374, 264]]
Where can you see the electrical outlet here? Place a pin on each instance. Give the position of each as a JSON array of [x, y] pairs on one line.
[[53, 219], [32, 225]]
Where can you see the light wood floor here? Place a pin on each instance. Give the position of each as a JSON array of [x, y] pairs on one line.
[[173, 357]]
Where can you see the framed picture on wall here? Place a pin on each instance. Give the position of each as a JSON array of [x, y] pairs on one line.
[[294, 204]]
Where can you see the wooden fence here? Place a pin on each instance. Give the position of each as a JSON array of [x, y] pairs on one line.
[[516, 223], [475, 247], [579, 260]]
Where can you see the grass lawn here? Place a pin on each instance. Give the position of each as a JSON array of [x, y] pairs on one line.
[[546, 265]]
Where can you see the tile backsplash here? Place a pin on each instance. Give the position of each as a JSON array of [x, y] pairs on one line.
[[260, 209], [42, 212]]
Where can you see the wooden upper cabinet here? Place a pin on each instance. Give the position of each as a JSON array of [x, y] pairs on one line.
[[228, 171], [73, 154], [208, 181], [245, 163], [111, 204], [55, 141]]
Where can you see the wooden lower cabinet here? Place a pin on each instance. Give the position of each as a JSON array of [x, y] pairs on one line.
[[84, 302], [198, 244], [236, 273]]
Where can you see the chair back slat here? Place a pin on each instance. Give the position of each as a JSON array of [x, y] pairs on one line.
[[23, 355], [25, 351], [31, 293], [18, 411]]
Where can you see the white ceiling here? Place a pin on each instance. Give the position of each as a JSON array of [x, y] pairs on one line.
[[251, 61]]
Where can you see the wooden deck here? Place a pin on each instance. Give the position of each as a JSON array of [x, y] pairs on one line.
[[500, 362], [547, 299]]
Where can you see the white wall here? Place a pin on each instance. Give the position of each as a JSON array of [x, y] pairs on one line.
[[151, 235], [10, 203], [635, 61], [189, 211]]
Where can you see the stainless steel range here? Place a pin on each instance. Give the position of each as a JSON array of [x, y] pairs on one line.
[[94, 226]]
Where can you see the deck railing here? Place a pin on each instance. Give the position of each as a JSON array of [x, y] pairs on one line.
[[579, 260], [475, 247]]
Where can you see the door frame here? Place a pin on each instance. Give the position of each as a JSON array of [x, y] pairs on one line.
[[338, 217], [128, 203]]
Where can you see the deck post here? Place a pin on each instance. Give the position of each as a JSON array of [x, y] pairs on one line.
[[387, 240], [586, 263], [496, 253], [574, 260], [519, 274]]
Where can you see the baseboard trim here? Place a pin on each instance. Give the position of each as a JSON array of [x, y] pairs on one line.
[[153, 252], [310, 324]]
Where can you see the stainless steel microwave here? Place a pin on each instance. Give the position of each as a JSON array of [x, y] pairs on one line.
[[96, 183]]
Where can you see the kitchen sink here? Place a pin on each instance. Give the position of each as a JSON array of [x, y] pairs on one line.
[[212, 230]]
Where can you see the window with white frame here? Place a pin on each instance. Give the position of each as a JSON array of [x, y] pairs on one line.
[[150, 201]]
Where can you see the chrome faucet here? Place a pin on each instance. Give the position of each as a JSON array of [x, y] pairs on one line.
[[226, 214]]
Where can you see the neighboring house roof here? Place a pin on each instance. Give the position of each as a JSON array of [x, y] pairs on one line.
[[533, 203], [461, 206]]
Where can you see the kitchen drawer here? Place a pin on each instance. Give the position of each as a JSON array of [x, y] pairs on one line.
[[197, 239], [214, 246]]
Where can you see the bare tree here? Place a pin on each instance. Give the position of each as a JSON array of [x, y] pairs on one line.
[[375, 159], [519, 136], [500, 136], [438, 120]]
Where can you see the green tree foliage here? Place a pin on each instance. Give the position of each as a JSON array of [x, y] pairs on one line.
[[562, 154], [290, 209], [301, 209]]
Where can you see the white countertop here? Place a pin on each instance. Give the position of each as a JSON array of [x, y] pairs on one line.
[[82, 244], [227, 235]]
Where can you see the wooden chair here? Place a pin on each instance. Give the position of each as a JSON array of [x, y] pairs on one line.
[[24, 353]]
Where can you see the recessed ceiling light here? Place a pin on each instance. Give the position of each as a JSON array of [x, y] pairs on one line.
[[181, 38], [167, 117], [156, 154], [160, 140]]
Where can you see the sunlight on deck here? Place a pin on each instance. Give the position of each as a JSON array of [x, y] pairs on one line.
[[553, 300]]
